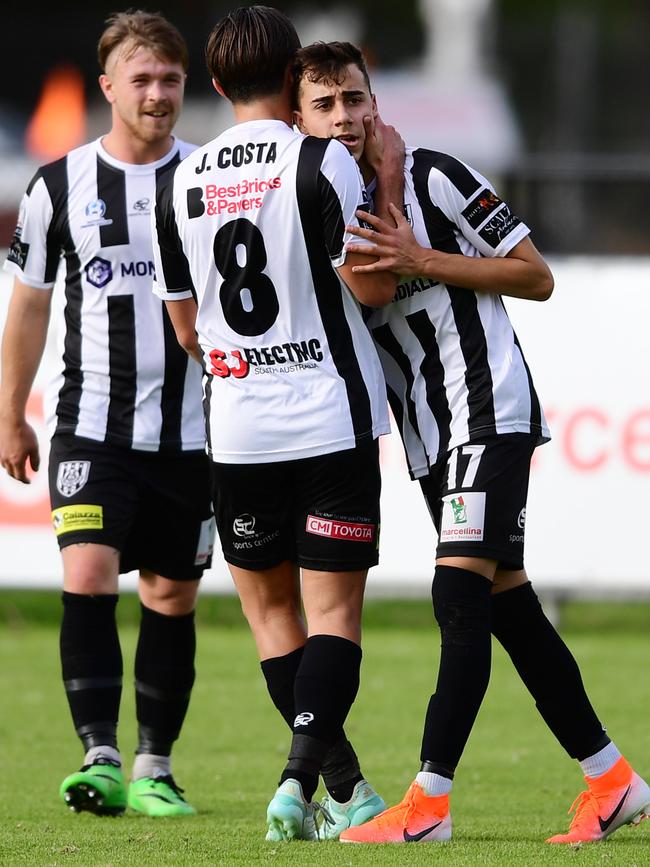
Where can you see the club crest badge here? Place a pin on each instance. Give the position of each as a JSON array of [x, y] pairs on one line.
[[71, 477]]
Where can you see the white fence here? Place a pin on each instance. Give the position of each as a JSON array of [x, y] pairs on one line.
[[589, 505]]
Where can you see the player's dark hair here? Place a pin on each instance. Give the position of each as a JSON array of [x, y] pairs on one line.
[[249, 50], [326, 62], [140, 29]]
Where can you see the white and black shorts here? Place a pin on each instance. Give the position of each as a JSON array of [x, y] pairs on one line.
[[155, 508], [477, 495], [320, 512]]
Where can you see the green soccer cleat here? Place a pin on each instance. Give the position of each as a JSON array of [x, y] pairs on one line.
[[289, 816], [158, 796], [364, 805], [98, 788]]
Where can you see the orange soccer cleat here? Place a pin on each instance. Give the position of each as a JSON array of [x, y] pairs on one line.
[[618, 797], [417, 819]]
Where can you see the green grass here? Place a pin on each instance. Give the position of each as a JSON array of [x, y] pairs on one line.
[[511, 790]]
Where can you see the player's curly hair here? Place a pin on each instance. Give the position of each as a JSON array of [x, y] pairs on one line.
[[140, 29], [326, 62], [249, 51]]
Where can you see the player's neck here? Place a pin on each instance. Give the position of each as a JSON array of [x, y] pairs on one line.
[[367, 172], [126, 148], [275, 107]]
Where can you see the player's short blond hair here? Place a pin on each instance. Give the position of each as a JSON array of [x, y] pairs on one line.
[[140, 29]]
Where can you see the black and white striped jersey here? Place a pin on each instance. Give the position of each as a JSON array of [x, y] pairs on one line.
[[254, 224], [122, 377], [454, 368]]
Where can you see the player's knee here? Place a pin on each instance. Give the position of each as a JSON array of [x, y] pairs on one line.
[[173, 598], [86, 573], [461, 604]]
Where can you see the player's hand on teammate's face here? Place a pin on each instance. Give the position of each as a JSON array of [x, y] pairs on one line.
[[18, 444], [395, 246], [384, 145]]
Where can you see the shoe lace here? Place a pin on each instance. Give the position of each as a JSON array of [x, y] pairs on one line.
[[585, 808], [101, 760], [326, 817], [169, 781], [407, 804]]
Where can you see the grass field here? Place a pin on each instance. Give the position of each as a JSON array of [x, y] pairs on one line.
[[511, 791]]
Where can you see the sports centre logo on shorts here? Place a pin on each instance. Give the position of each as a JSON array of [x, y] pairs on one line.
[[66, 519], [71, 477], [340, 529], [463, 517], [244, 525]]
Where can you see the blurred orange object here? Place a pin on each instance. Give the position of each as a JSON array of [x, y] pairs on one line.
[[59, 121]]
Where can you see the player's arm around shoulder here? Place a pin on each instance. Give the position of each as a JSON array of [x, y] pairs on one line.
[[23, 343], [371, 289]]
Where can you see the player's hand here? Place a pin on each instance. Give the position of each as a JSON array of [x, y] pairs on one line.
[[384, 148], [395, 246], [18, 444]]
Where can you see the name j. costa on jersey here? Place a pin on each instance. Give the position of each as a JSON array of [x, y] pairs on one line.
[[280, 358], [247, 195]]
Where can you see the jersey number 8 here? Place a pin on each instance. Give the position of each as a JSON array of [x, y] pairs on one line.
[[248, 297]]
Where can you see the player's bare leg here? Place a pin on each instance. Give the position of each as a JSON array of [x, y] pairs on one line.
[[270, 601]]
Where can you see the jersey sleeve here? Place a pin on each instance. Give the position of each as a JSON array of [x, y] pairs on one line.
[[173, 281], [469, 201], [342, 193], [35, 249]]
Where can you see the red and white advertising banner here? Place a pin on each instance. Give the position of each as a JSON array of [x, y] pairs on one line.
[[589, 504]]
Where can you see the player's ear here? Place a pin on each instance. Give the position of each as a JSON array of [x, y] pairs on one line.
[[218, 87], [375, 111], [107, 87], [298, 121]]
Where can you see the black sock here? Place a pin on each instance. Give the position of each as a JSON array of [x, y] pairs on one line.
[[91, 664], [340, 770], [548, 669], [164, 676], [461, 603], [326, 684], [280, 675]]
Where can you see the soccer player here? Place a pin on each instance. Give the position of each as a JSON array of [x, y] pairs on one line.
[[470, 419], [128, 470], [252, 225]]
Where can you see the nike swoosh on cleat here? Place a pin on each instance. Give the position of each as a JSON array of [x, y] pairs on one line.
[[154, 795], [414, 838], [605, 823]]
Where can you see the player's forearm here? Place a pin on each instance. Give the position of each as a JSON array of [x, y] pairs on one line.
[[390, 188], [22, 349], [509, 276], [183, 317]]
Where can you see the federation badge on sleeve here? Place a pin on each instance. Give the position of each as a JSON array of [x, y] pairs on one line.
[[71, 477]]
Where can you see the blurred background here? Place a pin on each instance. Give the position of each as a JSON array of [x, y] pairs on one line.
[[543, 98]]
